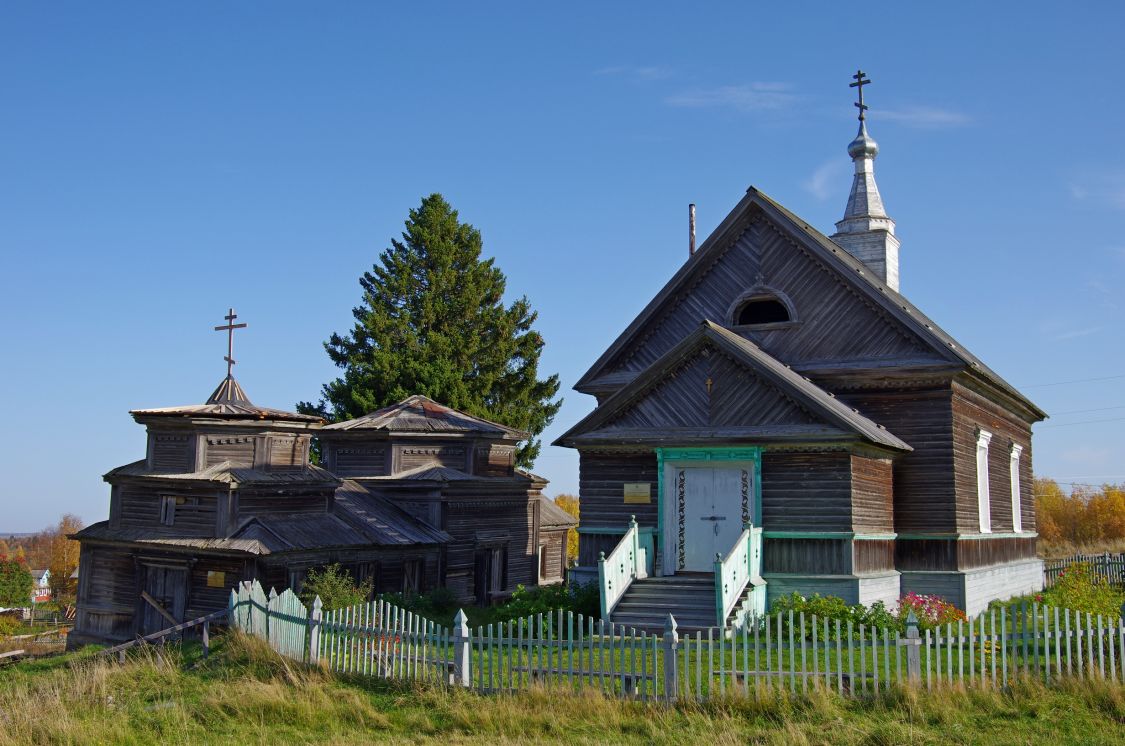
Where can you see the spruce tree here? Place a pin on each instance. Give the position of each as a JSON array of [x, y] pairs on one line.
[[432, 321]]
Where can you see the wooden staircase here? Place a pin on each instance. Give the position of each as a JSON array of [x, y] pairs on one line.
[[689, 597]]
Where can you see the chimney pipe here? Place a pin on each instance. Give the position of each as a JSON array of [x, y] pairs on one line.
[[691, 229]]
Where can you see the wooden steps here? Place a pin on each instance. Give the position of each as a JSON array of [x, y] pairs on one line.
[[690, 598]]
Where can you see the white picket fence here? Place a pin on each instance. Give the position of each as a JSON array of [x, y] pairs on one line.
[[785, 650]]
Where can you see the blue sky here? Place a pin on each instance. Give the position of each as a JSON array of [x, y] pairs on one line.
[[161, 162]]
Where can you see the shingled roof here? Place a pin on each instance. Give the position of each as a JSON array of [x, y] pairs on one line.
[[421, 414], [227, 401]]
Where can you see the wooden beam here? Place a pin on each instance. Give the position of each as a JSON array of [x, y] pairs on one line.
[[153, 602]]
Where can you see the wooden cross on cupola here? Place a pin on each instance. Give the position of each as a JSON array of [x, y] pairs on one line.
[[860, 82], [229, 328]]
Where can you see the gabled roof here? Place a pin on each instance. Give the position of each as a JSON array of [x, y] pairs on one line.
[[381, 519], [832, 255], [428, 473], [839, 418], [227, 401], [552, 516], [421, 414], [102, 531], [228, 473]]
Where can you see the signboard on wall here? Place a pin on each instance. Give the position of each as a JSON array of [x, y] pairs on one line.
[[638, 492]]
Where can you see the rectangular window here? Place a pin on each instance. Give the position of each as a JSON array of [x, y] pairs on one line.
[[167, 510], [1014, 471], [984, 506]]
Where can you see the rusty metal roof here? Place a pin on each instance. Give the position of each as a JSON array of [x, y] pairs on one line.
[[227, 401], [384, 520], [552, 516], [421, 414], [227, 472]]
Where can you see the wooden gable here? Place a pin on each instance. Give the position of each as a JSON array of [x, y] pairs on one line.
[[716, 384], [844, 317], [834, 321]]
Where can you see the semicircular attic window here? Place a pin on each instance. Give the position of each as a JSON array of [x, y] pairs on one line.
[[761, 311]]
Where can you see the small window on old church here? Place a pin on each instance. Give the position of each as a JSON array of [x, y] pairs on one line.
[[761, 311], [167, 510]]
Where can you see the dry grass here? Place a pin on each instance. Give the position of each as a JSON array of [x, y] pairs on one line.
[[1063, 549], [245, 694]]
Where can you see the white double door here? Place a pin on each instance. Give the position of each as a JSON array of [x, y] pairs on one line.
[[713, 502]]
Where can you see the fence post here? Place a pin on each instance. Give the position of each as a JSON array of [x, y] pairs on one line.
[[315, 616], [461, 648], [206, 638], [671, 647], [913, 649]]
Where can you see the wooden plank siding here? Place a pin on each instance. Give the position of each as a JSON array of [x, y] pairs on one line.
[[601, 485], [970, 412], [961, 554], [806, 491], [238, 449], [480, 514], [923, 479], [357, 460], [197, 515], [834, 321], [872, 494]]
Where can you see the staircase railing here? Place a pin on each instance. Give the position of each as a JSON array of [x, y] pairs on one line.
[[735, 571], [627, 562]]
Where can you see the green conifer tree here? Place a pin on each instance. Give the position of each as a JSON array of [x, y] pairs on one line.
[[432, 321]]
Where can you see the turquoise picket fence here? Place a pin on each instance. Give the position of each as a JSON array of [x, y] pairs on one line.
[[787, 651]]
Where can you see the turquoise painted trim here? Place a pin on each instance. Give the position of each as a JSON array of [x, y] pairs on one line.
[[826, 535], [971, 537], [715, 453]]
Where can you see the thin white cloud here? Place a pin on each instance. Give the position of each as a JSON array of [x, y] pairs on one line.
[[751, 97], [923, 117], [1076, 333], [637, 72], [827, 179], [1107, 190]]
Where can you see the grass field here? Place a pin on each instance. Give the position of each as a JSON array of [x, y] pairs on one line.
[[246, 694]]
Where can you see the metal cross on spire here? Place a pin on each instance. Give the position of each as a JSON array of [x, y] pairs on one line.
[[859, 83], [229, 328]]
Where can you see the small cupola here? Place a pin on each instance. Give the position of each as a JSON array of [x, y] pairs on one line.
[[866, 231]]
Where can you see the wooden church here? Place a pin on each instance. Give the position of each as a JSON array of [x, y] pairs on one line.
[[413, 497], [781, 405]]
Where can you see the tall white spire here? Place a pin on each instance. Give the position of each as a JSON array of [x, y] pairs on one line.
[[866, 232]]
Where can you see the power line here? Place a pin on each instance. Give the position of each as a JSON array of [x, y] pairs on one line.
[[1084, 422], [1083, 411], [1077, 380]]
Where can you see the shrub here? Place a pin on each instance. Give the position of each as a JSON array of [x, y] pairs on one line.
[[931, 611], [833, 608], [15, 582], [8, 626], [577, 598], [1079, 588], [335, 587]]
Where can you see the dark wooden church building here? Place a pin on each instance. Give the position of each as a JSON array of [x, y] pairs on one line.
[[781, 380], [413, 497]]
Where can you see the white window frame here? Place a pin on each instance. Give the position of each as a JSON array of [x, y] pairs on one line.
[[1014, 474], [984, 503]]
